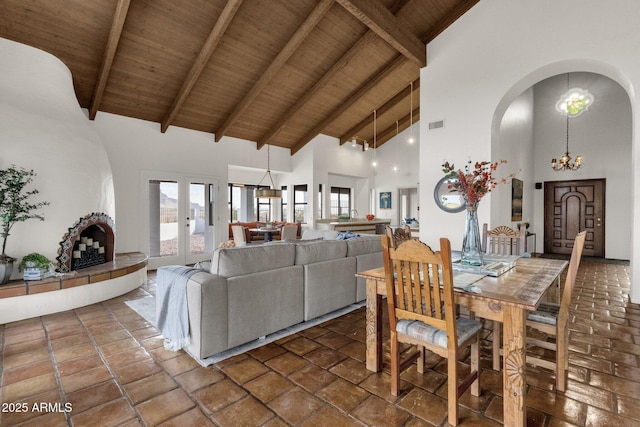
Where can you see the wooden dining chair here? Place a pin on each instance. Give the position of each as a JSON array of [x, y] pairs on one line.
[[289, 232], [553, 320], [239, 237], [502, 240], [422, 313], [399, 235]]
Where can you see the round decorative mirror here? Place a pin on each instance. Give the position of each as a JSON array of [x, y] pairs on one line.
[[448, 200]]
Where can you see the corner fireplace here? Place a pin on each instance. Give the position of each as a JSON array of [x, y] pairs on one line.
[[90, 241]]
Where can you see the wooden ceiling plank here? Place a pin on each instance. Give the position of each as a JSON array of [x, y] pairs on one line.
[[115, 32], [292, 45], [220, 27], [353, 52], [362, 90], [329, 75], [381, 110], [380, 20], [387, 134]]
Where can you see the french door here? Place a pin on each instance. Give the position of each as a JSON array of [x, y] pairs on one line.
[[181, 218]]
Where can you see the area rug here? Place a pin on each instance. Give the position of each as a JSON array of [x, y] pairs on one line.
[[146, 307]]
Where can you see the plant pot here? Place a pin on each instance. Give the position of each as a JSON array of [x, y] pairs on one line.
[[35, 273], [6, 269]]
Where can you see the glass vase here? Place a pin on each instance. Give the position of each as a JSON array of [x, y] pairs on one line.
[[471, 244]]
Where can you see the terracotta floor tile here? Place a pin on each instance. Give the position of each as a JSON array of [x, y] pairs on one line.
[[27, 358], [267, 352], [351, 370], [377, 412], [287, 363], [330, 417], [333, 340], [10, 376], [180, 364], [96, 395], [135, 371], [28, 387], [164, 407], [22, 347], [197, 378], [247, 412], [219, 395], [425, 405], [268, 386], [192, 418], [295, 405], [325, 357], [301, 345], [12, 337], [109, 337], [15, 417], [68, 353], [148, 387], [110, 414], [127, 357], [70, 341], [343, 394], [72, 366], [128, 344], [49, 419], [312, 378], [84, 379]]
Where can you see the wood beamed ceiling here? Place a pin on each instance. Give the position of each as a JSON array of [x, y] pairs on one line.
[[276, 72]]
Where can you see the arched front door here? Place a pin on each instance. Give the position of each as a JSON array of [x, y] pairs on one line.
[[570, 207]]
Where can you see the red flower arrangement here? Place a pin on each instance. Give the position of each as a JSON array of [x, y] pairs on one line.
[[474, 183]]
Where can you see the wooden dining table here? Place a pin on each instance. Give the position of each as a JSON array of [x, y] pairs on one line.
[[506, 298]]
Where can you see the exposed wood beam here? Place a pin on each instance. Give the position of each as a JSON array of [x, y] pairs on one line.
[[381, 110], [353, 52], [380, 20], [363, 89], [404, 122], [225, 18], [301, 34], [119, 17], [329, 75]]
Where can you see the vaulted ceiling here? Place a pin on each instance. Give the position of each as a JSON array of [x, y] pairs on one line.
[[276, 72]]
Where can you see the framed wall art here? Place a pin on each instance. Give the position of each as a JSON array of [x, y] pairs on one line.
[[385, 200]]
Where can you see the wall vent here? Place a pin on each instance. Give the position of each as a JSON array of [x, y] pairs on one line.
[[436, 125]]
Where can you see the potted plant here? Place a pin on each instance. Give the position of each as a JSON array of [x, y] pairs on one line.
[[35, 266], [15, 206]]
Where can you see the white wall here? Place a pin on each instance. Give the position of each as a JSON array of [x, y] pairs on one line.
[[486, 59], [43, 128]]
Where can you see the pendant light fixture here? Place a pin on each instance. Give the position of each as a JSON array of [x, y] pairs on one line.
[[271, 192], [572, 103], [396, 166], [375, 163], [411, 139]]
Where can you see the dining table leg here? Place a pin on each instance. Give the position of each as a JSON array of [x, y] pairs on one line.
[[374, 327], [514, 366]]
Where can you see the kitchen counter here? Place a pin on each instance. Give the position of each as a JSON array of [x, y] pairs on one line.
[[356, 225]]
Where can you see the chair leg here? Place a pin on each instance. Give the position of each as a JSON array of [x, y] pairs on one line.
[[562, 360], [395, 365], [496, 345], [475, 366], [420, 366], [452, 390]]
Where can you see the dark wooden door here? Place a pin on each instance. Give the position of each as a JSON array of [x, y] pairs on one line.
[[570, 207]]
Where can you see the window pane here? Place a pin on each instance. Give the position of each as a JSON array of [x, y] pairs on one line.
[[163, 218]]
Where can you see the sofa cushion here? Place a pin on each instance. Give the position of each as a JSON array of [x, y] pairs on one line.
[[320, 251], [311, 234], [230, 262], [365, 244]]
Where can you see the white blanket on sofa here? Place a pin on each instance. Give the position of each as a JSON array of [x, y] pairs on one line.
[[171, 305]]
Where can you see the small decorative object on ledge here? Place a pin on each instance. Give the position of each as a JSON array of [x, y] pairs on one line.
[[35, 266], [473, 184], [370, 217]]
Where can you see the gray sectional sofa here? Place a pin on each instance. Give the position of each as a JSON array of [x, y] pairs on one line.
[[253, 291]]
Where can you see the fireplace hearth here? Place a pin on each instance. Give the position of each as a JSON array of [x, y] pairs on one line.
[[90, 241]]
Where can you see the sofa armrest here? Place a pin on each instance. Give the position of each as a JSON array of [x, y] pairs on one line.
[[207, 299]]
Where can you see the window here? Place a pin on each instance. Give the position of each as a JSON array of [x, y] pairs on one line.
[[283, 204], [235, 201], [263, 206], [300, 202], [340, 201]]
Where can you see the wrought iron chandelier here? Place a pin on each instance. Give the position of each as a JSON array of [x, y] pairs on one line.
[[565, 163]]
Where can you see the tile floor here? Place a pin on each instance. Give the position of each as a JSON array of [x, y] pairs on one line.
[[107, 364]]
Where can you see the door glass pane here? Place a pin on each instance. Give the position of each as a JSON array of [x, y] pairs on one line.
[[163, 218], [197, 218]]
